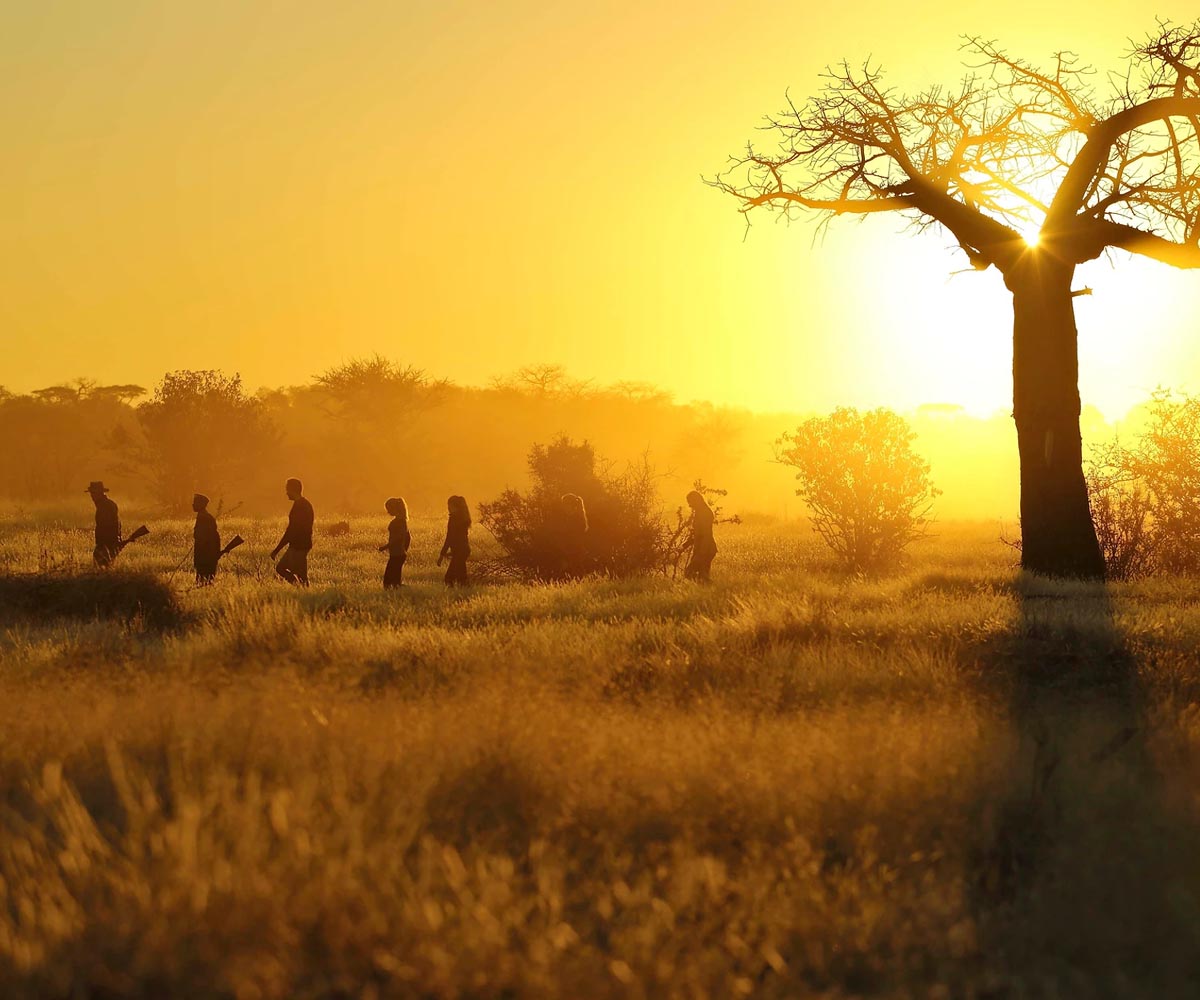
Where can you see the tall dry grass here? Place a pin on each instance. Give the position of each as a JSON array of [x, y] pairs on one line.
[[947, 782]]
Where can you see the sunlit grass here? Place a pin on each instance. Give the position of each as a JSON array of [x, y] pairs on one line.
[[789, 783]]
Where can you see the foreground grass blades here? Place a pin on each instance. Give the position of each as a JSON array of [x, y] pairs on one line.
[[953, 781]]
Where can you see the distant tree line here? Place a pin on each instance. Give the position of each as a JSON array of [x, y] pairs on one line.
[[357, 433], [372, 428]]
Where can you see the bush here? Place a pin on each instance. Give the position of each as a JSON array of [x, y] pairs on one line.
[[1121, 513], [540, 532], [1146, 498], [131, 597], [869, 494]]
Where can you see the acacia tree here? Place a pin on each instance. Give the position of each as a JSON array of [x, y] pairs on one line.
[[201, 431], [1033, 173], [376, 438]]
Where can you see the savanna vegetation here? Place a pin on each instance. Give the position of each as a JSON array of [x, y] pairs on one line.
[[1145, 492], [867, 491], [952, 780], [581, 776], [374, 428]]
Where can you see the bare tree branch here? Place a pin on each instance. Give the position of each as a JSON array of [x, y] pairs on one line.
[[1016, 151], [1148, 245]]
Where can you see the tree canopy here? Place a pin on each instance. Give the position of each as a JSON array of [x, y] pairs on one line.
[[1015, 152]]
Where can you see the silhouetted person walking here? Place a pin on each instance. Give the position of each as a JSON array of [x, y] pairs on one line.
[[573, 536], [206, 542], [108, 526], [397, 543], [456, 546], [293, 567], [704, 546]]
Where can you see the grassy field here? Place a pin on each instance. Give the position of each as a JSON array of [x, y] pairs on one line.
[[948, 782]]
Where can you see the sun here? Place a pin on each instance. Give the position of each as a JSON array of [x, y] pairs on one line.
[[1031, 237]]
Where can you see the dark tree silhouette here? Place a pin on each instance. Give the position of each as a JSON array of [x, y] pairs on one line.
[[377, 389], [1033, 173], [544, 381], [200, 428], [378, 420], [60, 432]]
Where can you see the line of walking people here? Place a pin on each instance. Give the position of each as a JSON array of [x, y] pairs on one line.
[[297, 540]]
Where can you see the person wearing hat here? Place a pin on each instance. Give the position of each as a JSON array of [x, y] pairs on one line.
[[206, 542], [108, 525], [397, 543], [293, 567]]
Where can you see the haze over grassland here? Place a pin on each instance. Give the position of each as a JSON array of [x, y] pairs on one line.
[[394, 431]]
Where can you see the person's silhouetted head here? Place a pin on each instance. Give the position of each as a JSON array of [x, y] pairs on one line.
[[457, 506], [199, 502], [575, 511], [96, 490], [294, 489], [696, 501], [397, 508]]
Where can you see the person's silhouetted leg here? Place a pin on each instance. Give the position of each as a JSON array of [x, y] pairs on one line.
[[393, 573]]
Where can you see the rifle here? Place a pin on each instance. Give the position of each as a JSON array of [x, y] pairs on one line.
[[141, 532], [234, 542]]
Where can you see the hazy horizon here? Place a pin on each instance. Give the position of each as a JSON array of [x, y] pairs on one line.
[[950, 407], [475, 439]]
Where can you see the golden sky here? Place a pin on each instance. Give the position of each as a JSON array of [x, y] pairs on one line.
[[273, 188]]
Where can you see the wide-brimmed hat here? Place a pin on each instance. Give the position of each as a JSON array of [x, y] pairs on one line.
[[96, 486]]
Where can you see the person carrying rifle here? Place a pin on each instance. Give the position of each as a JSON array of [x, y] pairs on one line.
[[206, 542], [108, 526], [293, 567]]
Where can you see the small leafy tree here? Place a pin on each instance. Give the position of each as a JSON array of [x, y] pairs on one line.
[[868, 493], [625, 526], [376, 390], [1145, 498], [63, 433], [1121, 511], [376, 422], [202, 432]]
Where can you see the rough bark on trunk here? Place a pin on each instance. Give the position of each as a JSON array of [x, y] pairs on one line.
[[1057, 534]]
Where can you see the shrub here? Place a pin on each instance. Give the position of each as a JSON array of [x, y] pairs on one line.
[[868, 493], [1121, 512], [132, 597], [1146, 498], [625, 527]]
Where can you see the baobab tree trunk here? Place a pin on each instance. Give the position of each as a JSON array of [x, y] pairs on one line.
[[1057, 534]]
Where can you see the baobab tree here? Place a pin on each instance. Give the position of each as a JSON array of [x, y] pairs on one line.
[[1032, 172]]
